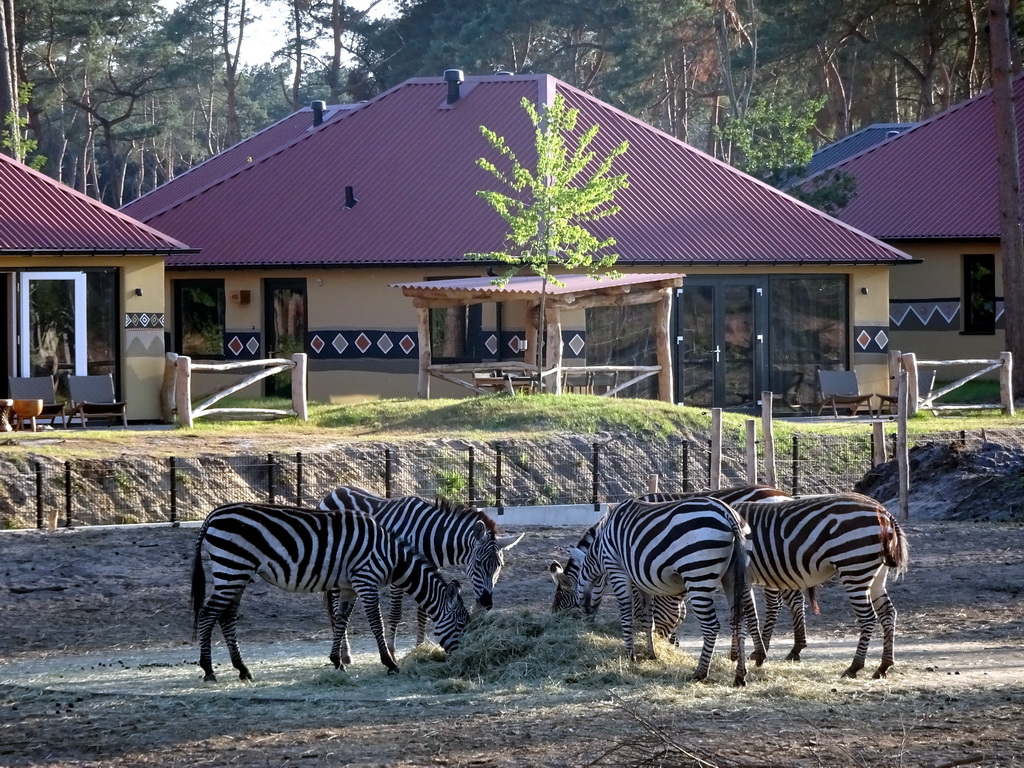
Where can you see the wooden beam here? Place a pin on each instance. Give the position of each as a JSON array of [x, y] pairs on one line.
[[423, 339], [553, 359], [183, 390], [663, 344]]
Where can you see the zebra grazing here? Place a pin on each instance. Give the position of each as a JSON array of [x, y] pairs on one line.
[[668, 611], [445, 533], [303, 550], [799, 544], [685, 547]]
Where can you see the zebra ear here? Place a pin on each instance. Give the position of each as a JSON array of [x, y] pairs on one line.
[[479, 530], [452, 591], [507, 542], [558, 575]]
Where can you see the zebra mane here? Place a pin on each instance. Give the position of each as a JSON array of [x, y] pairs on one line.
[[450, 507]]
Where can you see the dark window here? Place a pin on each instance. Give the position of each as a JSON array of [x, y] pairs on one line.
[[199, 318], [456, 334], [979, 299], [809, 327], [103, 329], [623, 336]]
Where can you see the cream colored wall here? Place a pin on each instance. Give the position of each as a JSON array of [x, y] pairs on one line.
[[142, 351], [940, 275]]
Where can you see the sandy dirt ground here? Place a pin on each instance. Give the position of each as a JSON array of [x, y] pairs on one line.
[[97, 668]]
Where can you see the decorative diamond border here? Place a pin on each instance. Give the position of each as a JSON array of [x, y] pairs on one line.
[[871, 338], [144, 321]]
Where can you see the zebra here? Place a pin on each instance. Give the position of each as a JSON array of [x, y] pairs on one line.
[[799, 544], [674, 548], [303, 550], [445, 533], [668, 611]]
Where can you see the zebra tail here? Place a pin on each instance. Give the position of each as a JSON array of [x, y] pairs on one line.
[[897, 549], [739, 574], [198, 580]]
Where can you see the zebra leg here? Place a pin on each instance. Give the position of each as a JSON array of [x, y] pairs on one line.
[[208, 616], [370, 597], [341, 652], [394, 616], [887, 616], [228, 620], [623, 592], [742, 612], [797, 612], [647, 617], [421, 626], [772, 604], [866, 619], [704, 609]]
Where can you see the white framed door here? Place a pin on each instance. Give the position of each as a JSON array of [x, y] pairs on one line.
[[51, 323]]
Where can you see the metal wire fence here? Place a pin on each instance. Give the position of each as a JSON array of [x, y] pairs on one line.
[[49, 493]]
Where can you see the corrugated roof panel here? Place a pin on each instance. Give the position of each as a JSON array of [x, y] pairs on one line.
[[38, 214], [411, 161], [529, 285], [938, 180]]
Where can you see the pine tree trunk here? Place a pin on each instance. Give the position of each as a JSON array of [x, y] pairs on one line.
[[1009, 186]]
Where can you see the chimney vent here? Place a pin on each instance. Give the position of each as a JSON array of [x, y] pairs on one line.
[[318, 111], [454, 78], [350, 197]]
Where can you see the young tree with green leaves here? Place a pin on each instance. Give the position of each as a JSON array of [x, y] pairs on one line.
[[550, 206]]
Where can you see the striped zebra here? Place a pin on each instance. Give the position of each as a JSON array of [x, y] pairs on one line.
[[445, 533], [687, 547], [668, 611], [302, 550], [799, 544]]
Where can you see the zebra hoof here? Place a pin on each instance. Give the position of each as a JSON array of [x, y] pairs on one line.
[[392, 670], [758, 659], [739, 682], [880, 672], [244, 675], [852, 671], [210, 678]]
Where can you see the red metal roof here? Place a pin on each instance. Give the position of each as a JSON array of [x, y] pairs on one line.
[[410, 160], [40, 215], [223, 164], [938, 180]]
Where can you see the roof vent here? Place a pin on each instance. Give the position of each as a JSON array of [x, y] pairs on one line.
[[350, 197], [504, 72], [318, 108], [454, 78], [890, 134]]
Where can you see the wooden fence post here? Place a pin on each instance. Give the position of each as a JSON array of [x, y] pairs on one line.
[[768, 439], [716, 449], [902, 453], [909, 361], [299, 404], [879, 454], [167, 389], [1006, 382], [183, 390], [751, 425], [895, 363]]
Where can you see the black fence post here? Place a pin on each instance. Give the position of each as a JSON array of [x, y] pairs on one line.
[[172, 474], [67, 494], [497, 480], [388, 473], [796, 464], [40, 522], [271, 479], [472, 476], [298, 479], [595, 467]]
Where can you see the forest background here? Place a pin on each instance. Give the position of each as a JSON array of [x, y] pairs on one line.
[[119, 96]]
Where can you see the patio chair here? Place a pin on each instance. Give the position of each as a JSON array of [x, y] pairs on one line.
[[92, 397], [839, 389], [39, 388], [603, 382], [577, 381]]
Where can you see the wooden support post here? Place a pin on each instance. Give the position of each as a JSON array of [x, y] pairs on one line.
[[716, 449], [299, 404], [902, 452], [167, 389], [909, 361], [751, 426], [663, 344], [768, 438], [531, 333], [423, 340], [183, 390], [1006, 382], [553, 356], [895, 358], [652, 483], [879, 451]]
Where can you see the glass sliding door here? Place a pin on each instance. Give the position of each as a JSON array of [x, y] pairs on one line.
[[53, 324], [720, 343], [284, 305]]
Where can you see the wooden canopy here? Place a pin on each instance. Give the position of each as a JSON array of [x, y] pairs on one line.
[[576, 292]]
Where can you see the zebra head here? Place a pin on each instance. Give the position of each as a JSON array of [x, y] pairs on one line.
[[451, 619], [565, 587], [487, 559], [589, 578]]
